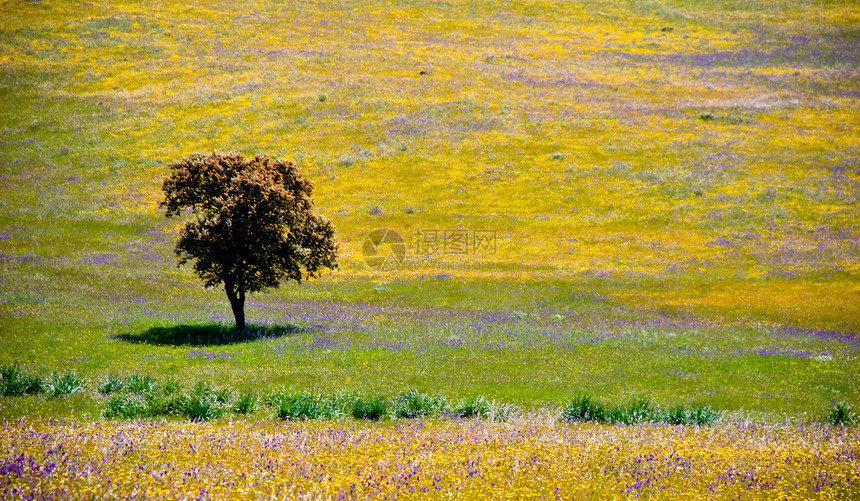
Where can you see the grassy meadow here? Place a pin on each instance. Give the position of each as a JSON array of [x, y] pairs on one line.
[[629, 200]]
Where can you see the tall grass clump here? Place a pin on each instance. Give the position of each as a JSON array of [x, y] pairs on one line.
[[223, 395], [841, 415], [204, 403], [111, 384], [373, 408], [638, 411], [58, 385], [703, 415], [290, 405], [246, 403], [477, 407], [165, 400], [14, 383], [139, 397], [171, 386], [122, 406], [584, 408], [140, 384], [700, 415], [201, 407], [414, 404]]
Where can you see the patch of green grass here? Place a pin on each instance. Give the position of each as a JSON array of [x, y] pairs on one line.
[[201, 407], [59, 385], [372, 408], [638, 411], [13, 382], [171, 386], [841, 414], [414, 404], [111, 384], [703, 415], [139, 384], [142, 397], [122, 406], [223, 394], [293, 405], [246, 403], [677, 415], [585, 408], [477, 407]]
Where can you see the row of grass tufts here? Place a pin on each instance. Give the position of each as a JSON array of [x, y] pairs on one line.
[[410, 404], [584, 408], [141, 397], [14, 383]]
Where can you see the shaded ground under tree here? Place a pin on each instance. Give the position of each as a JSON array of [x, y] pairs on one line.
[[208, 334]]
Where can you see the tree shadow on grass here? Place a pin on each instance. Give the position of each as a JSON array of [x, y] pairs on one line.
[[208, 334]]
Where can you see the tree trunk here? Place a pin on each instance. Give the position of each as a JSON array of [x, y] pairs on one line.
[[237, 304]]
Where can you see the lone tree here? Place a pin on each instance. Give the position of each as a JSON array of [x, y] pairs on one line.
[[252, 227]]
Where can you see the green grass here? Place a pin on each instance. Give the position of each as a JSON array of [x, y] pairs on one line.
[[246, 403], [372, 408], [600, 348], [125, 407], [142, 397], [111, 384], [302, 405], [675, 211], [841, 415], [585, 409], [201, 408], [14, 383], [60, 385], [477, 407], [414, 404]]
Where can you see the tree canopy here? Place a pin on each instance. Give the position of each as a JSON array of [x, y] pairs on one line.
[[252, 224]]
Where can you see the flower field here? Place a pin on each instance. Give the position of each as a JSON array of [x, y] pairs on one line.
[[651, 201], [531, 459]]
